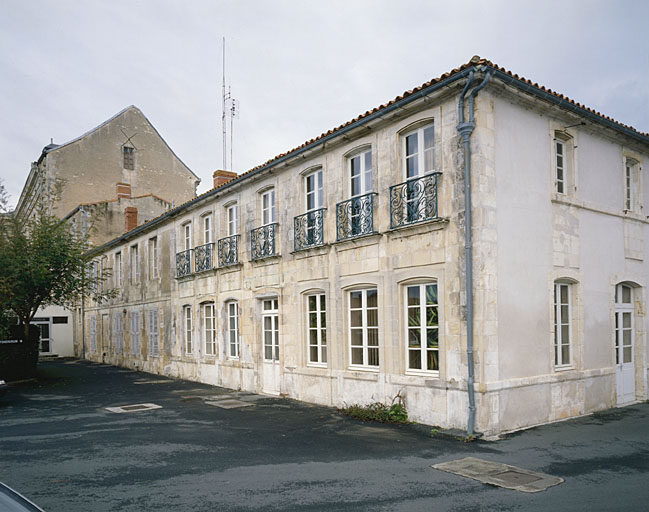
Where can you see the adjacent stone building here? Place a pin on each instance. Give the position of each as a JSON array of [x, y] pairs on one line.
[[114, 177], [336, 273]]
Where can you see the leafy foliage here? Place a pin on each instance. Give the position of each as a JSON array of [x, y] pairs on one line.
[[378, 411]]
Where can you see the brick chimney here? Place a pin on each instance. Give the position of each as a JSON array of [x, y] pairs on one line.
[[221, 177], [123, 190], [130, 217]]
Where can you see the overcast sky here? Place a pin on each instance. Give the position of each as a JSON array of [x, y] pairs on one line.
[[297, 67]]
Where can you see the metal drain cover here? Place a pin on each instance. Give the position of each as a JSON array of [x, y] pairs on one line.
[[502, 475], [229, 404], [133, 408]]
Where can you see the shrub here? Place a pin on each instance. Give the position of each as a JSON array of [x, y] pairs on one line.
[[378, 411]]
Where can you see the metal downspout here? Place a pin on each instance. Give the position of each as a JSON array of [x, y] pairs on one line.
[[465, 129]]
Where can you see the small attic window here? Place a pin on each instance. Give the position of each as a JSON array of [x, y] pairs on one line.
[[129, 158]]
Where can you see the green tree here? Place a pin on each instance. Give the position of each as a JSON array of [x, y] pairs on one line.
[[43, 262]]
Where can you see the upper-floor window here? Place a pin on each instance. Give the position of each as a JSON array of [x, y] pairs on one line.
[[268, 207], [313, 190], [207, 229], [118, 269], [631, 185], [135, 265], [563, 163], [187, 235], [153, 258], [419, 151], [232, 217], [129, 157], [360, 173]]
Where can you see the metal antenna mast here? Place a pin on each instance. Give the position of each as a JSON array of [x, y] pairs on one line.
[[229, 107], [223, 113]]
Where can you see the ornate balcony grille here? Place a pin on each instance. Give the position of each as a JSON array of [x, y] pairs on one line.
[[228, 251], [184, 263], [355, 217], [308, 229], [203, 257], [414, 201], [262, 241]]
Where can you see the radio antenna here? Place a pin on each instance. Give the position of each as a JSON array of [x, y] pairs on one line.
[[229, 107]]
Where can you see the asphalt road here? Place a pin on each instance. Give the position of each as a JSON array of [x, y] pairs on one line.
[[61, 448]]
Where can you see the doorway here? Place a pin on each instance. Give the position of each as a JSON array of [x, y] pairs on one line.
[[270, 348], [624, 344]]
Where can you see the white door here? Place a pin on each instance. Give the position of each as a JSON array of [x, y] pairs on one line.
[[270, 342], [45, 346], [624, 341]]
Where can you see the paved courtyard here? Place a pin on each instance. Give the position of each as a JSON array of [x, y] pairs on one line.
[[207, 449]]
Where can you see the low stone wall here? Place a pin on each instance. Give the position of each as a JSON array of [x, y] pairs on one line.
[[18, 358]]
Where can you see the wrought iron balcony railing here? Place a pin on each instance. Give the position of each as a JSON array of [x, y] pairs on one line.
[[228, 248], [414, 201], [355, 217], [309, 229], [262, 241], [203, 257], [184, 263]]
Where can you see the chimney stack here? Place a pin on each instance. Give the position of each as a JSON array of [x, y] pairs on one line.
[[221, 177], [130, 218], [123, 190]]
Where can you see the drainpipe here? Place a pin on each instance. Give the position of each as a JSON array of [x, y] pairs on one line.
[[465, 129]]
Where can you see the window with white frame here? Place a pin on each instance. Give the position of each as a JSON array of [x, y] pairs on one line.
[[188, 326], [232, 328], [187, 236], [563, 163], [364, 328], [268, 207], [135, 332], [360, 173], [118, 333], [418, 147], [135, 265], [317, 328], [153, 258], [624, 329], [207, 229], [118, 269], [232, 218], [422, 327], [209, 328], [270, 329], [562, 324], [93, 333], [154, 333], [313, 190], [631, 185], [103, 272]]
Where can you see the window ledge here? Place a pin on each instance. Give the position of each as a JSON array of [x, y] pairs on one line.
[[314, 250], [318, 366], [565, 368], [371, 370], [267, 260], [418, 227], [359, 241], [230, 268], [432, 374]]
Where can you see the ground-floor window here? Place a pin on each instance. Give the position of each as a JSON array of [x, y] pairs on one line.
[[364, 328], [187, 328], [624, 331], [93, 333], [209, 329], [118, 333], [422, 327], [154, 333], [232, 309], [135, 332], [317, 328], [562, 324], [270, 327]]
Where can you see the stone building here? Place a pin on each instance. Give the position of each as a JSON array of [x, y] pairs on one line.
[[335, 273], [114, 177]]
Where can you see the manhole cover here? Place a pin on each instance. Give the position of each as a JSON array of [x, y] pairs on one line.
[[133, 408], [229, 404], [502, 475]]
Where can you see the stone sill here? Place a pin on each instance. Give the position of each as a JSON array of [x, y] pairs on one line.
[[316, 250], [235, 267], [418, 228], [359, 241], [267, 260]]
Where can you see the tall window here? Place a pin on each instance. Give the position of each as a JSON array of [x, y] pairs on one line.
[[624, 332], [154, 333], [232, 216], [268, 207], [207, 229], [560, 152], [360, 173], [317, 328], [631, 184], [118, 333], [135, 265], [135, 332], [422, 327], [364, 328], [188, 326], [563, 162], [118, 269], [419, 151], [270, 327], [313, 189], [129, 157], [209, 329], [187, 236], [153, 258], [93, 333], [562, 324], [232, 309]]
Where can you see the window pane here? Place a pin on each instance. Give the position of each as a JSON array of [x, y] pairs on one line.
[[564, 293], [432, 360], [432, 338], [323, 320], [412, 144], [372, 318], [313, 354], [313, 320], [628, 357], [564, 314], [414, 359], [324, 355], [356, 319], [413, 295], [565, 333], [355, 300], [431, 294], [626, 337], [268, 352], [414, 317], [414, 337], [373, 337], [323, 336], [626, 295], [322, 302], [431, 316], [565, 354], [626, 320], [357, 337], [372, 298], [373, 356], [357, 356], [313, 337]]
